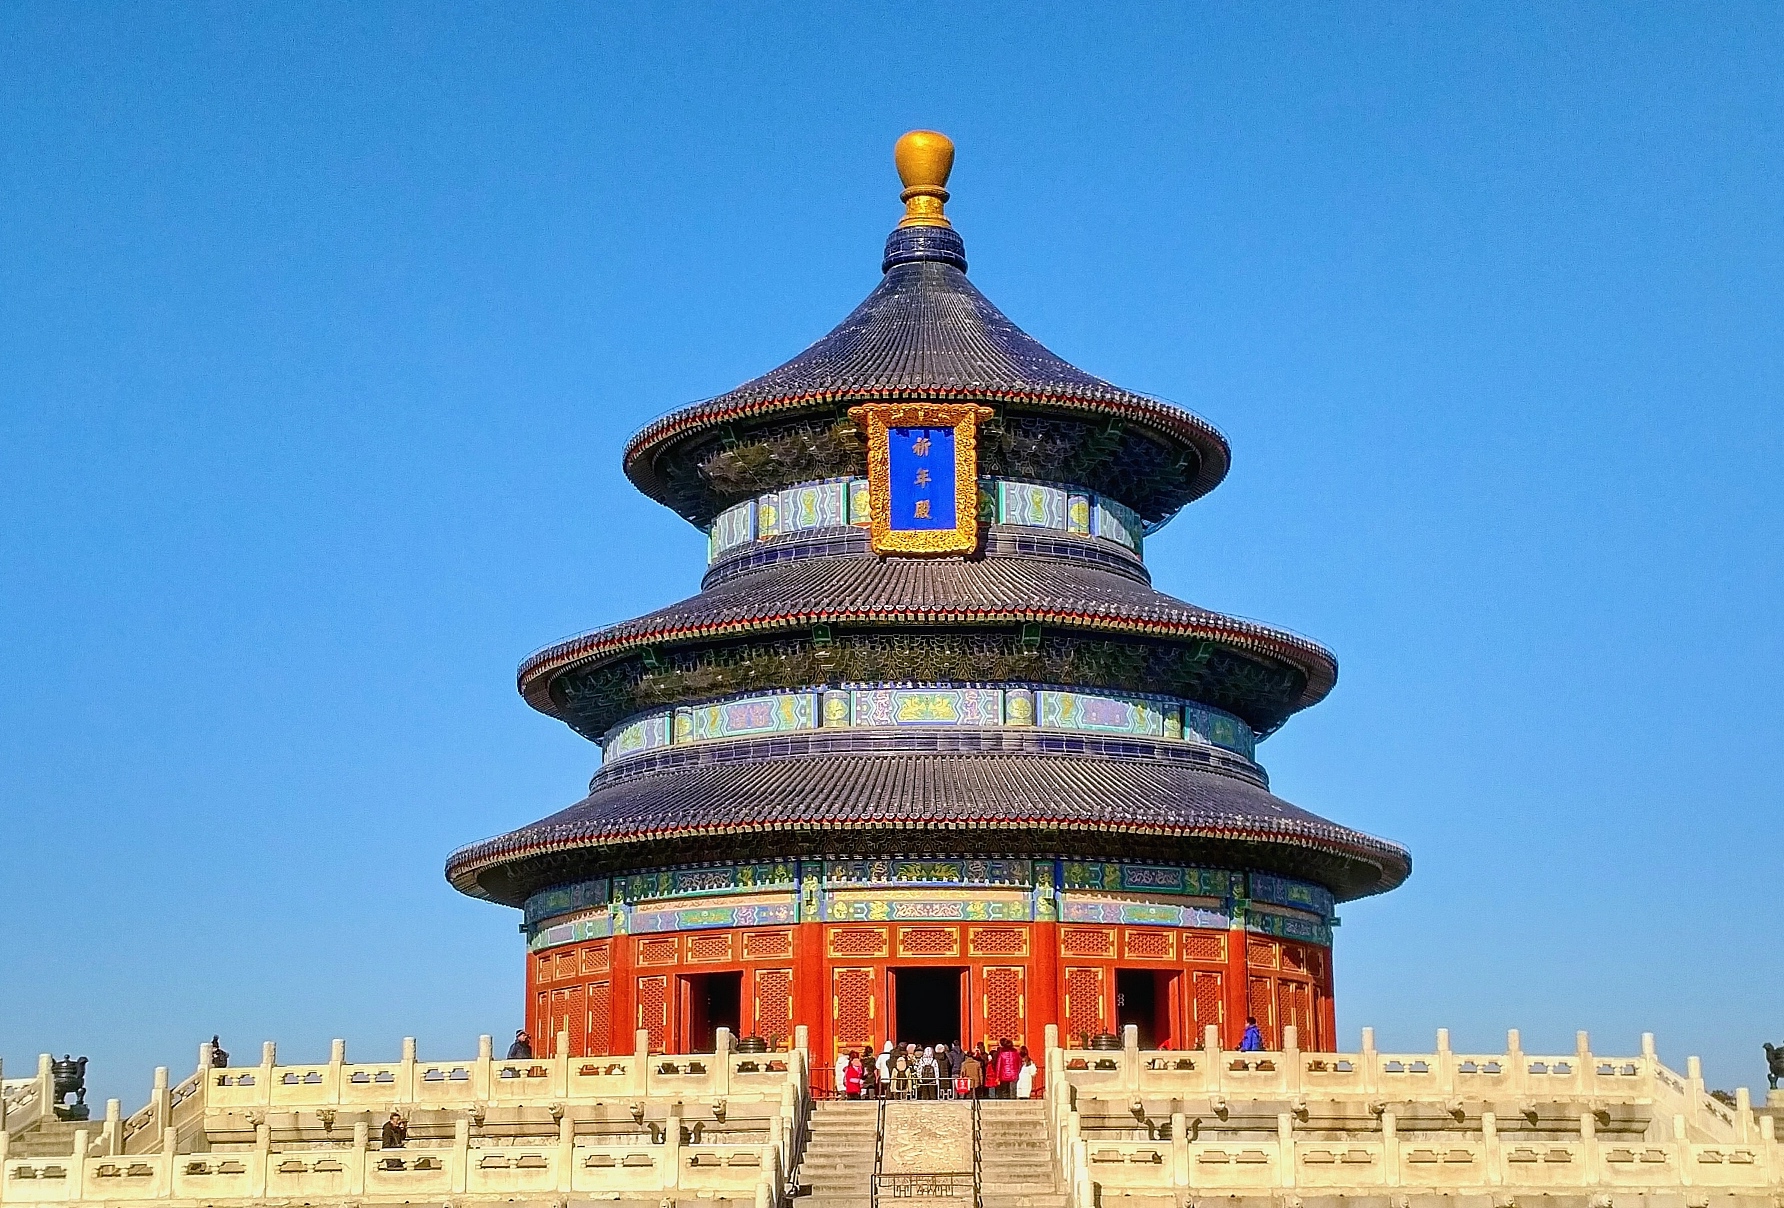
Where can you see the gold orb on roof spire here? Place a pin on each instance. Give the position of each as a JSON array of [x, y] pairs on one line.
[[924, 159]]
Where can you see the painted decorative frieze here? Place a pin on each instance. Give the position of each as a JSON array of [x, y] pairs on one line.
[[926, 707], [1096, 714], [942, 705], [835, 503], [775, 714], [1018, 872]]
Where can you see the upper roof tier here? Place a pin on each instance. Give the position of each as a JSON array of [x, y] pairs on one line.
[[927, 333]]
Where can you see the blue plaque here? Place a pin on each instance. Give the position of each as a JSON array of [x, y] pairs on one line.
[[920, 478]]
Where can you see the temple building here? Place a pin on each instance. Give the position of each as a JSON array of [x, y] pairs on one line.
[[927, 757]]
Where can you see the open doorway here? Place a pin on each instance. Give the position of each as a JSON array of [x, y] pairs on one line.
[[709, 1001], [926, 1005], [1146, 998]]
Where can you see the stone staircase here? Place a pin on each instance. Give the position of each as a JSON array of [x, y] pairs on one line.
[[52, 1139], [1017, 1169], [837, 1169]]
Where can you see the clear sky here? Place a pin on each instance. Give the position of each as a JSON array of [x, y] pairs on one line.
[[322, 325]]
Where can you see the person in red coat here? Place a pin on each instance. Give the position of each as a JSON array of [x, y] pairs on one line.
[[1009, 1067], [851, 1079]]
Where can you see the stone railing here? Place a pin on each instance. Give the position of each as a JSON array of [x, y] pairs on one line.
[[362, 1172], [21, 1104], [212, 1136], [410, 1082], [1269, 1121]]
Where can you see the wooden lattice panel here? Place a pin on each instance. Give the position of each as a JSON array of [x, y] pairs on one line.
[[653, 1011], [858, 942], [1260, 954], [658, 951], [598, 1033], [542, 969], [1149, 944], [767, 945], [1260, 1004], [594, 958], [1085, 1012], [1006, 1015], [1292, 1007], [853, 1006], [1087, 941], [997, 941], [929, 941], [1207, 1004], [567, 1016], [709, 946], [567, 965], [1204, 946], [1294, 958], [773, 993]]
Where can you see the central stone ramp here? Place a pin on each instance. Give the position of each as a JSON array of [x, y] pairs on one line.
[[1016, 1153]]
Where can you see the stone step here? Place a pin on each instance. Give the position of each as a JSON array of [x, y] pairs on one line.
[[1046, 1199]]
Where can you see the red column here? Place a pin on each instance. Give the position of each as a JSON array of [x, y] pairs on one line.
[[623, 993], [811, 992], [1237, 986], [1328, 1008], [1044, 1005]]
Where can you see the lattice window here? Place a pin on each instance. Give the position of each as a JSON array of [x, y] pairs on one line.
[[1294, 957], [858, 941], [1085, 1014], [1204, 946], [997, 941], [1207, 1003], [1260, 1003], [657, 951], [928, 941], [767, 945], [1292, 1008], [567, 1018], [1150, 945], [1006, 1013], [540, 1023], [1087, 941], [852, 1006], [567, 965], [706, 947], [594, 958], [653, 1011], [774, 1004], [1316, 964], [1260, 954], [542, 969], [598, 1034]]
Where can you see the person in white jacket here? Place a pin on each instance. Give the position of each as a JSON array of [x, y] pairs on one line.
[[1025, 1080], [883, 1066], [842, 1069]]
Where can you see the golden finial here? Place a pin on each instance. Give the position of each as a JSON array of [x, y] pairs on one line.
[[924, 159]]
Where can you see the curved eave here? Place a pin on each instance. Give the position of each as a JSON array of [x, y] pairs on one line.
[[655, 440], [1066, 803], [538, 671]]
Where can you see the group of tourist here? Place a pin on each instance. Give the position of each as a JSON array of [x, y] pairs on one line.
[[937, 1071]]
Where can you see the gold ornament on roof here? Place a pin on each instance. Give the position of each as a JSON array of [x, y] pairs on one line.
[[924, 159]]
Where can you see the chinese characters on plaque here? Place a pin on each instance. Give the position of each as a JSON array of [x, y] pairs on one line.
[[922, 470]]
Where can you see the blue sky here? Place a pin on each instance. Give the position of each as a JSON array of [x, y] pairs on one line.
[[321, 328]]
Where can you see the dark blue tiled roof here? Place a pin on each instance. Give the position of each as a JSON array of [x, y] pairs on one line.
[[927, 332], [921, 789]]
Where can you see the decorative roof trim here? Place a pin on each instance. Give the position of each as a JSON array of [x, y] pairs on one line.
[[540, 669], [1170, 421]]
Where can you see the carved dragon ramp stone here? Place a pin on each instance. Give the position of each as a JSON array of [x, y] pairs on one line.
[[928, 758]]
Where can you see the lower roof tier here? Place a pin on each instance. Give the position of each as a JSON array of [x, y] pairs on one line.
[[905, 793]]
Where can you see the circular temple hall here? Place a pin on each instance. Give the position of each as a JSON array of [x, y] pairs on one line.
[[927, 758]]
